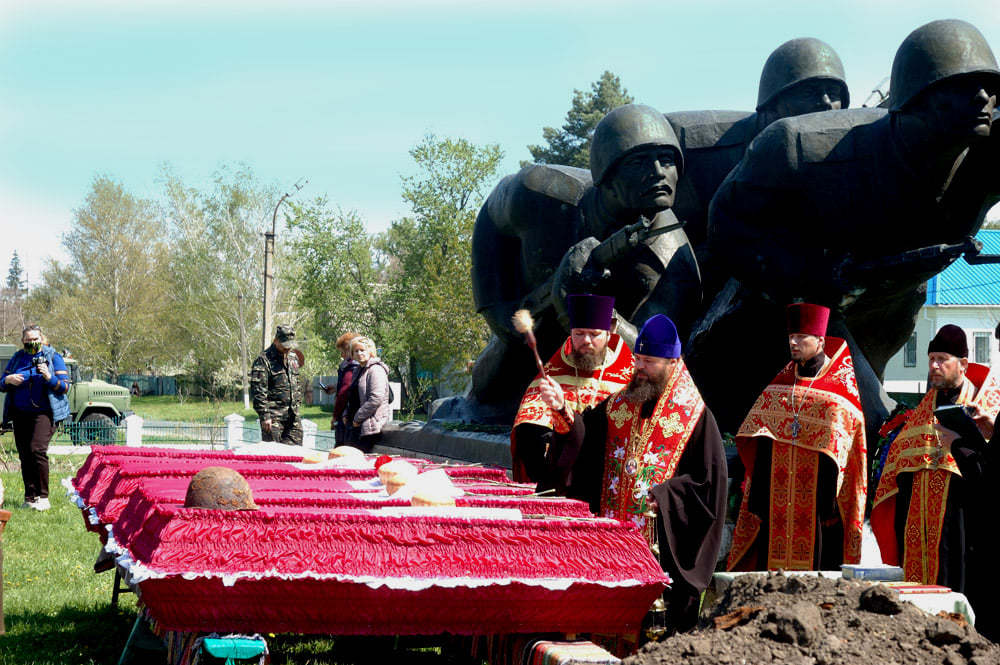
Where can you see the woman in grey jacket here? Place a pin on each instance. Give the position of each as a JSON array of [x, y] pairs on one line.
[[370, 394]]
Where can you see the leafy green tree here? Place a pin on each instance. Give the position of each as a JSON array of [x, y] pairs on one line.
[[106, 304], [57, 280], [342, 278], [216, 271], [570, 145], [431, 274]]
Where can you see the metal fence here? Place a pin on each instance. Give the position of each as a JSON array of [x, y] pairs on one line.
[[211, 433], [148, 385], [216, 433], [207, 432], [84, 433], [325, 440], [251, 434]]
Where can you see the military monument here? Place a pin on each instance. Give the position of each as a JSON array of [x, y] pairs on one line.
[[550, 229], [853, 209]]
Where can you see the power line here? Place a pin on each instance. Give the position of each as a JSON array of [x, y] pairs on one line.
[[965, 287]]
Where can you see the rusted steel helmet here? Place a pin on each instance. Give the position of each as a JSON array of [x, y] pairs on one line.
[[935, 52], [219, 488], [798, 60], [625, 129]]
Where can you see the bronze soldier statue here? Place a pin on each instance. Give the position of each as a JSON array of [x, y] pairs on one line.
[[549, 216], [802, 75], [277, 390], [855, 210]]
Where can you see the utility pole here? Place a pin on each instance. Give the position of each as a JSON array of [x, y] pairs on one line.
[[243, 354], [267, 329]]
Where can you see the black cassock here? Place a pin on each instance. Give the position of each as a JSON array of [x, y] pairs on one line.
[[969, 548], [692, 504]]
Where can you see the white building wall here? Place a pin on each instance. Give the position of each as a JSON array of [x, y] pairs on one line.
[[974, 319]]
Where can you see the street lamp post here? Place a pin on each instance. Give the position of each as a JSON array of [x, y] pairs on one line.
[[268, 324]]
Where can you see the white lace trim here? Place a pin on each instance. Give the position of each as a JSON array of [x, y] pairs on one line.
[[136, 572]]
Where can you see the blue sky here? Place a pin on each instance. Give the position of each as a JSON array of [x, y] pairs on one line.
[[338, 92]]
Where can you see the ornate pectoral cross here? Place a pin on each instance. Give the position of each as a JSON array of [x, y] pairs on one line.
[[796, 426]]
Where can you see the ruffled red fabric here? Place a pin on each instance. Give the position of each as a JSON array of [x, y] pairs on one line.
[[318, 557], [104, 455], [339, 608], [129, 513], [95, 478], [293, 489], [361, 543]]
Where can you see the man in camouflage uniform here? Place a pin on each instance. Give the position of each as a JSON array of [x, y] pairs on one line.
[[277, 390]]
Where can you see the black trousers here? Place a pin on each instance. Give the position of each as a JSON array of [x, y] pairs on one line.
[[369, 441], [32, 433]]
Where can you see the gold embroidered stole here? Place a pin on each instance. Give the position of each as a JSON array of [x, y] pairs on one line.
[[918, 450], [581, 389], [823, 418], [641, 453]]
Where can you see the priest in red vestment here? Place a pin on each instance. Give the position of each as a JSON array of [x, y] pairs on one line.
[[803, 447], [932, 509], [591, 364], [650, 454]]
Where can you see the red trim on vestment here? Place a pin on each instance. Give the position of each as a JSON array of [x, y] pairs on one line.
[[582, 390], [918, 450], [805, 418], [641, 453]]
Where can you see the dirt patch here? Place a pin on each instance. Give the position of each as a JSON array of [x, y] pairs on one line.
[[802, 620]]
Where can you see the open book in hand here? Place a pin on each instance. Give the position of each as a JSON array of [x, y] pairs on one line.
[[958, 418]]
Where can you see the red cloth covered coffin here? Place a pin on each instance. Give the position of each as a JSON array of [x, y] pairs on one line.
[[323, 555]]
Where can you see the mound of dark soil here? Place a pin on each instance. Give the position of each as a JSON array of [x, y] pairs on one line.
[[804, 620]]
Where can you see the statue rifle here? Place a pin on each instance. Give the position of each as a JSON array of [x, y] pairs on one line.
[[975, 257], [970, 248], [614, 247]]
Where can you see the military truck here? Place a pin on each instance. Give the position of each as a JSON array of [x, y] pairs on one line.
[[96, 407]]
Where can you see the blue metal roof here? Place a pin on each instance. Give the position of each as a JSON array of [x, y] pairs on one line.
[[962, 284]]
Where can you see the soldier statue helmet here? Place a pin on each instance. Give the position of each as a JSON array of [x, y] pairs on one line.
[[219, 488], [797, 61], [627, 128], [935, 52]]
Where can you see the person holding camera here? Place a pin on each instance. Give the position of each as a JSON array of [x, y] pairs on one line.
[[36, 382]]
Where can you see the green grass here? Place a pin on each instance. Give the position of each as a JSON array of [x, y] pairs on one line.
[[167, 407], [58, 611]]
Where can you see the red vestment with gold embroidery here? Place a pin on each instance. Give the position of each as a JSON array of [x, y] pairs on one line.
[[643, 452], [581, 389], [918, 450], [805, 418]]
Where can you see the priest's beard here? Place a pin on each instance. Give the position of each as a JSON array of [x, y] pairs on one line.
[[587, 362], [642, 389]]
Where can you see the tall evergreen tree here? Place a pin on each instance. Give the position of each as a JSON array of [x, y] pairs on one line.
[[15, 274], [570, 145]]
